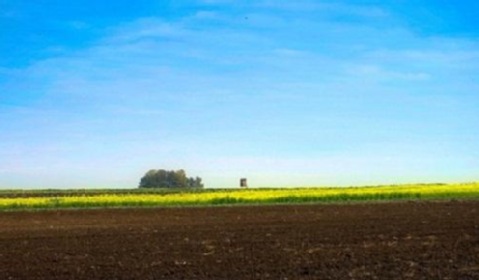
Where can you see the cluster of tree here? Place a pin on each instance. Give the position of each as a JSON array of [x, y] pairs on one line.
[[169, 179]]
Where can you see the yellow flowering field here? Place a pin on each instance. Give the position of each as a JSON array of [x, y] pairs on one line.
[[245, 196]]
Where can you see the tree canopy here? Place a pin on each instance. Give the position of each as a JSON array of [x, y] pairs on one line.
[[160, 178]]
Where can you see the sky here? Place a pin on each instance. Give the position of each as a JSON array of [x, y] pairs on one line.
[[284, 93]]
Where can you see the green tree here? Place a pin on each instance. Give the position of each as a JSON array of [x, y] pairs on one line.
[[169, 179]]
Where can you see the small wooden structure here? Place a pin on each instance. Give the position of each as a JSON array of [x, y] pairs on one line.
[[243, 183]]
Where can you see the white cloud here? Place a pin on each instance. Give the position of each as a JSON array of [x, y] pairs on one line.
[[375, 72], [146, 28], [327, 7]]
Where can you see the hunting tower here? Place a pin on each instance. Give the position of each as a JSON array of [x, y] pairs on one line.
[[243, 183]]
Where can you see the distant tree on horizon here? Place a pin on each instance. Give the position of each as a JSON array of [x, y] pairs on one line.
[[160, 178]]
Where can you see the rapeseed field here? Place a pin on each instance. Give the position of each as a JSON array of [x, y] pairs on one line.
[[243, 196]]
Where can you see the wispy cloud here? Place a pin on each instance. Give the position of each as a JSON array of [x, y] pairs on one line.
[[333, 8]]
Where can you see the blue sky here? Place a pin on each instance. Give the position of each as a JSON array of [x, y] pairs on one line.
[[285, 93]]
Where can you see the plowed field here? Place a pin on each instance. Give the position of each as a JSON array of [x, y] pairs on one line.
[[407, 240]]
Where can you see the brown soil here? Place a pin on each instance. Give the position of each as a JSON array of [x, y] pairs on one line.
[[408, 240]]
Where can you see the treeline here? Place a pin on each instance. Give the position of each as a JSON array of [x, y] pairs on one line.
[[160, 178]]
